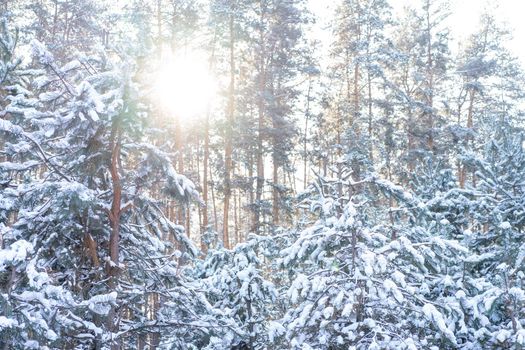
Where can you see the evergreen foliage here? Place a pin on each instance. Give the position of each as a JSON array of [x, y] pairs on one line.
[[125, 225]]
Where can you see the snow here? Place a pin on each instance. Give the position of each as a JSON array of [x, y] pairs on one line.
[[520, 337], [390, 286], [32, 344], [7, 323], [474, 258], [16, 253], [417, 261], [328, 312], [7, 126], [275, 329], [505, 225], [36, 279], [437, 319], [368, 261], [40, 52], [503, 335], [101, 304], [10, 166], [347, 310]]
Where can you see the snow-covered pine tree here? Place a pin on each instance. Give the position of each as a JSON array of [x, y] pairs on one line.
[[360, 54], [236, 283], [65, 26], [275, 46], [417, 80], [371, 276], [89, 256], [489, 87], [35, 311], [495, 297]]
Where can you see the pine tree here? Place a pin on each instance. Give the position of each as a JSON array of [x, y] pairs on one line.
[[418, 80], [236, 283], [495, 236], [89, 251], [276, 43], [370, 276], [490, 85]]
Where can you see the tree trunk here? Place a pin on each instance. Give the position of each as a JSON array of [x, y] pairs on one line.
[[214, 202], [430, 78], [114, 214], [180, 163], [275, 159], [305, 142], [251, 195], [260, 137], [370, 136], [236, 213], [205, 227], [275, 189], [228, 136], [470, 125], [155, 306], [159, 25]]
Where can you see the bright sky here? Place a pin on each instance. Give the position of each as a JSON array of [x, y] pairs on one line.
[[463, 19]]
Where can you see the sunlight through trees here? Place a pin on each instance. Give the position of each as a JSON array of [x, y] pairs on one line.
[[256, 174]]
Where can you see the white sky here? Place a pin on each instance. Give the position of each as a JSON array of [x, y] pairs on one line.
[[463, 19]]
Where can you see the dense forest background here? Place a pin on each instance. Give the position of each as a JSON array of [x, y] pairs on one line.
[[218, 174]]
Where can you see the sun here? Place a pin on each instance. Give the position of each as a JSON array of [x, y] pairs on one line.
[[184, 85]]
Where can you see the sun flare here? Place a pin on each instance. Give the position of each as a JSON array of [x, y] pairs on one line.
[[184, 86]]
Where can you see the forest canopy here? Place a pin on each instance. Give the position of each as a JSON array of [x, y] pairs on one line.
[[259, 174]]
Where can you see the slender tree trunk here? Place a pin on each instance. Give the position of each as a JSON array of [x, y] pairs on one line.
[[260, 177], [305, 141], [236, 213], [430, 77], [470, 125], [458, 161], [275, 160], [187, 212], [356, 168], [155, 307], [55, 19], [159, 27], [180, 162], [369, 83], [228, 134], [214, 202], [205, 227], [114, 214], [235, 228], [251, 195], [187, 207], [339, 175], [260, 124], [411, 143], [205, 218], [370, 134], [275, 189], [66, 21], [198, 160], [356, 113]]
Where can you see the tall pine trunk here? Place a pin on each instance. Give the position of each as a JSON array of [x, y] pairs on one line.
[[228, 135], [205, 227], [430, 82], [470, 125], [114, 214], [260, 124]]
